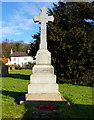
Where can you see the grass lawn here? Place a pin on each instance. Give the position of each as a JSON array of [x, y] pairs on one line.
[[16, 84], [81, 99]]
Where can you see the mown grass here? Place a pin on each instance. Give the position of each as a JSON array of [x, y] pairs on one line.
[[77, 94], [16, 85], [81, 102]]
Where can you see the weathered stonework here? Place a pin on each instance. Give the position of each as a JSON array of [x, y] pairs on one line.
[[43, 81], [43, 57]]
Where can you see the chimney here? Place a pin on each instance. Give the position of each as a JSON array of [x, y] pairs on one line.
[[11, 51], [28, 51]]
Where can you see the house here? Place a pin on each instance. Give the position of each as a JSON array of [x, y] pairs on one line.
[[19, 58]]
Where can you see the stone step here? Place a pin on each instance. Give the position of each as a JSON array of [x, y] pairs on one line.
[[43, 88], [43, 78], [43, 97], [43, 69]]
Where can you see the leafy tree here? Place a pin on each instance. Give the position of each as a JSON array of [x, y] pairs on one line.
[[71, 41], [16, 46], [35, 45], [6, 47], [21, 46]]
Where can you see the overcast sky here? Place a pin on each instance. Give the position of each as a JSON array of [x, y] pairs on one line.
[[17, 19]]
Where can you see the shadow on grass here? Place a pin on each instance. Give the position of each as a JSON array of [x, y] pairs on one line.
[[76, 111], [20, 76], [16, 95], [64, 111]]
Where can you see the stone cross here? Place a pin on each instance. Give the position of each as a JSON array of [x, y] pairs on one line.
[[43, 18], [43, 86]]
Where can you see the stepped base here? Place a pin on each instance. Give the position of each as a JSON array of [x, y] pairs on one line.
[[43, 97], [43, 88], [43, 85], [43, 69], [43, 78]]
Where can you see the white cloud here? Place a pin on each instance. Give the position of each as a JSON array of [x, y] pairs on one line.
[[22, 19], [1, 36], [12, 28], [0, 29], [29, 8], [9, 30], [26, 25], [34, 9], [0, 23], [18, 33], [18, 22]]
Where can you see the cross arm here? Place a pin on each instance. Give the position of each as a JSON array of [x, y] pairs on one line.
[[50, 18], [36, 18]]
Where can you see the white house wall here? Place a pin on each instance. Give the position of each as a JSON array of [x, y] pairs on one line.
[[21, 60]]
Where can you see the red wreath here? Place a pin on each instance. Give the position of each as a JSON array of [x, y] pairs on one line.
[[51, 107]]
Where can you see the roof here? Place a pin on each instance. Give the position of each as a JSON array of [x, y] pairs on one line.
[[18, 54], [4, 60]]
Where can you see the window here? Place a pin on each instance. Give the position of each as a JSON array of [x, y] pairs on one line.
[[14, 59], [25, 58]]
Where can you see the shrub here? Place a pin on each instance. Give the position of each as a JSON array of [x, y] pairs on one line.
[[18, 67], [29, 65]]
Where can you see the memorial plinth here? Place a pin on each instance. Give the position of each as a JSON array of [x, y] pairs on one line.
[[43, 84]]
